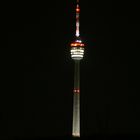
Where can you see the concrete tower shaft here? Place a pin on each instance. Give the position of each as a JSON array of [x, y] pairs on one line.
[[76, 101]]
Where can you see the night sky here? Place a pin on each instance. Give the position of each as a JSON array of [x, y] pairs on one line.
[[37, 71]]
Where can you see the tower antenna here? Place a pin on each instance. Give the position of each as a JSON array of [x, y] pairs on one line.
[[77, 19]]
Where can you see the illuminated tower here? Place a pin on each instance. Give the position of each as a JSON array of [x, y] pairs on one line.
[[77, 53]]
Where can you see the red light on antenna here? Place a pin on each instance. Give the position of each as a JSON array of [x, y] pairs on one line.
[[77, 10]]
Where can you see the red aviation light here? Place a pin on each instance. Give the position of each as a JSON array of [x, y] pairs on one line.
[[77, 9], [82, 45], [76, 91]]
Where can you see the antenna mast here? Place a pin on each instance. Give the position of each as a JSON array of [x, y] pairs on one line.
[[77, 19]]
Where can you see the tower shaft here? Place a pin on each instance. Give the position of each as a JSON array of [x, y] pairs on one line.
[[76, 100]]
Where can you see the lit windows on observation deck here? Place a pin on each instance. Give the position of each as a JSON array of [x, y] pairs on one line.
[[77, 53]]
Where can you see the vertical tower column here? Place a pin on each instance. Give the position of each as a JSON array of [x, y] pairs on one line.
[[77, 53], [76, 100]]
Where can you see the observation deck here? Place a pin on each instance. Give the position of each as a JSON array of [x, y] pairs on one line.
[[77, 49]]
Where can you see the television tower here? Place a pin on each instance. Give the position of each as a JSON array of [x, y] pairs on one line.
[[77, 53]]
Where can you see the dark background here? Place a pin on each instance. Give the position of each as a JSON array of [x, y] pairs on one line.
[[37, 71]]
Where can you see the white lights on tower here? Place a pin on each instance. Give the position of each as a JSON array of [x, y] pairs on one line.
[[77, 53]]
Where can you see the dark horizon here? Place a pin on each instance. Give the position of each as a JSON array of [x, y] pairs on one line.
[[37, 70]]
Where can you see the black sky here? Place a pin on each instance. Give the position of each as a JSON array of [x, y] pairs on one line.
[[37, 71]]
